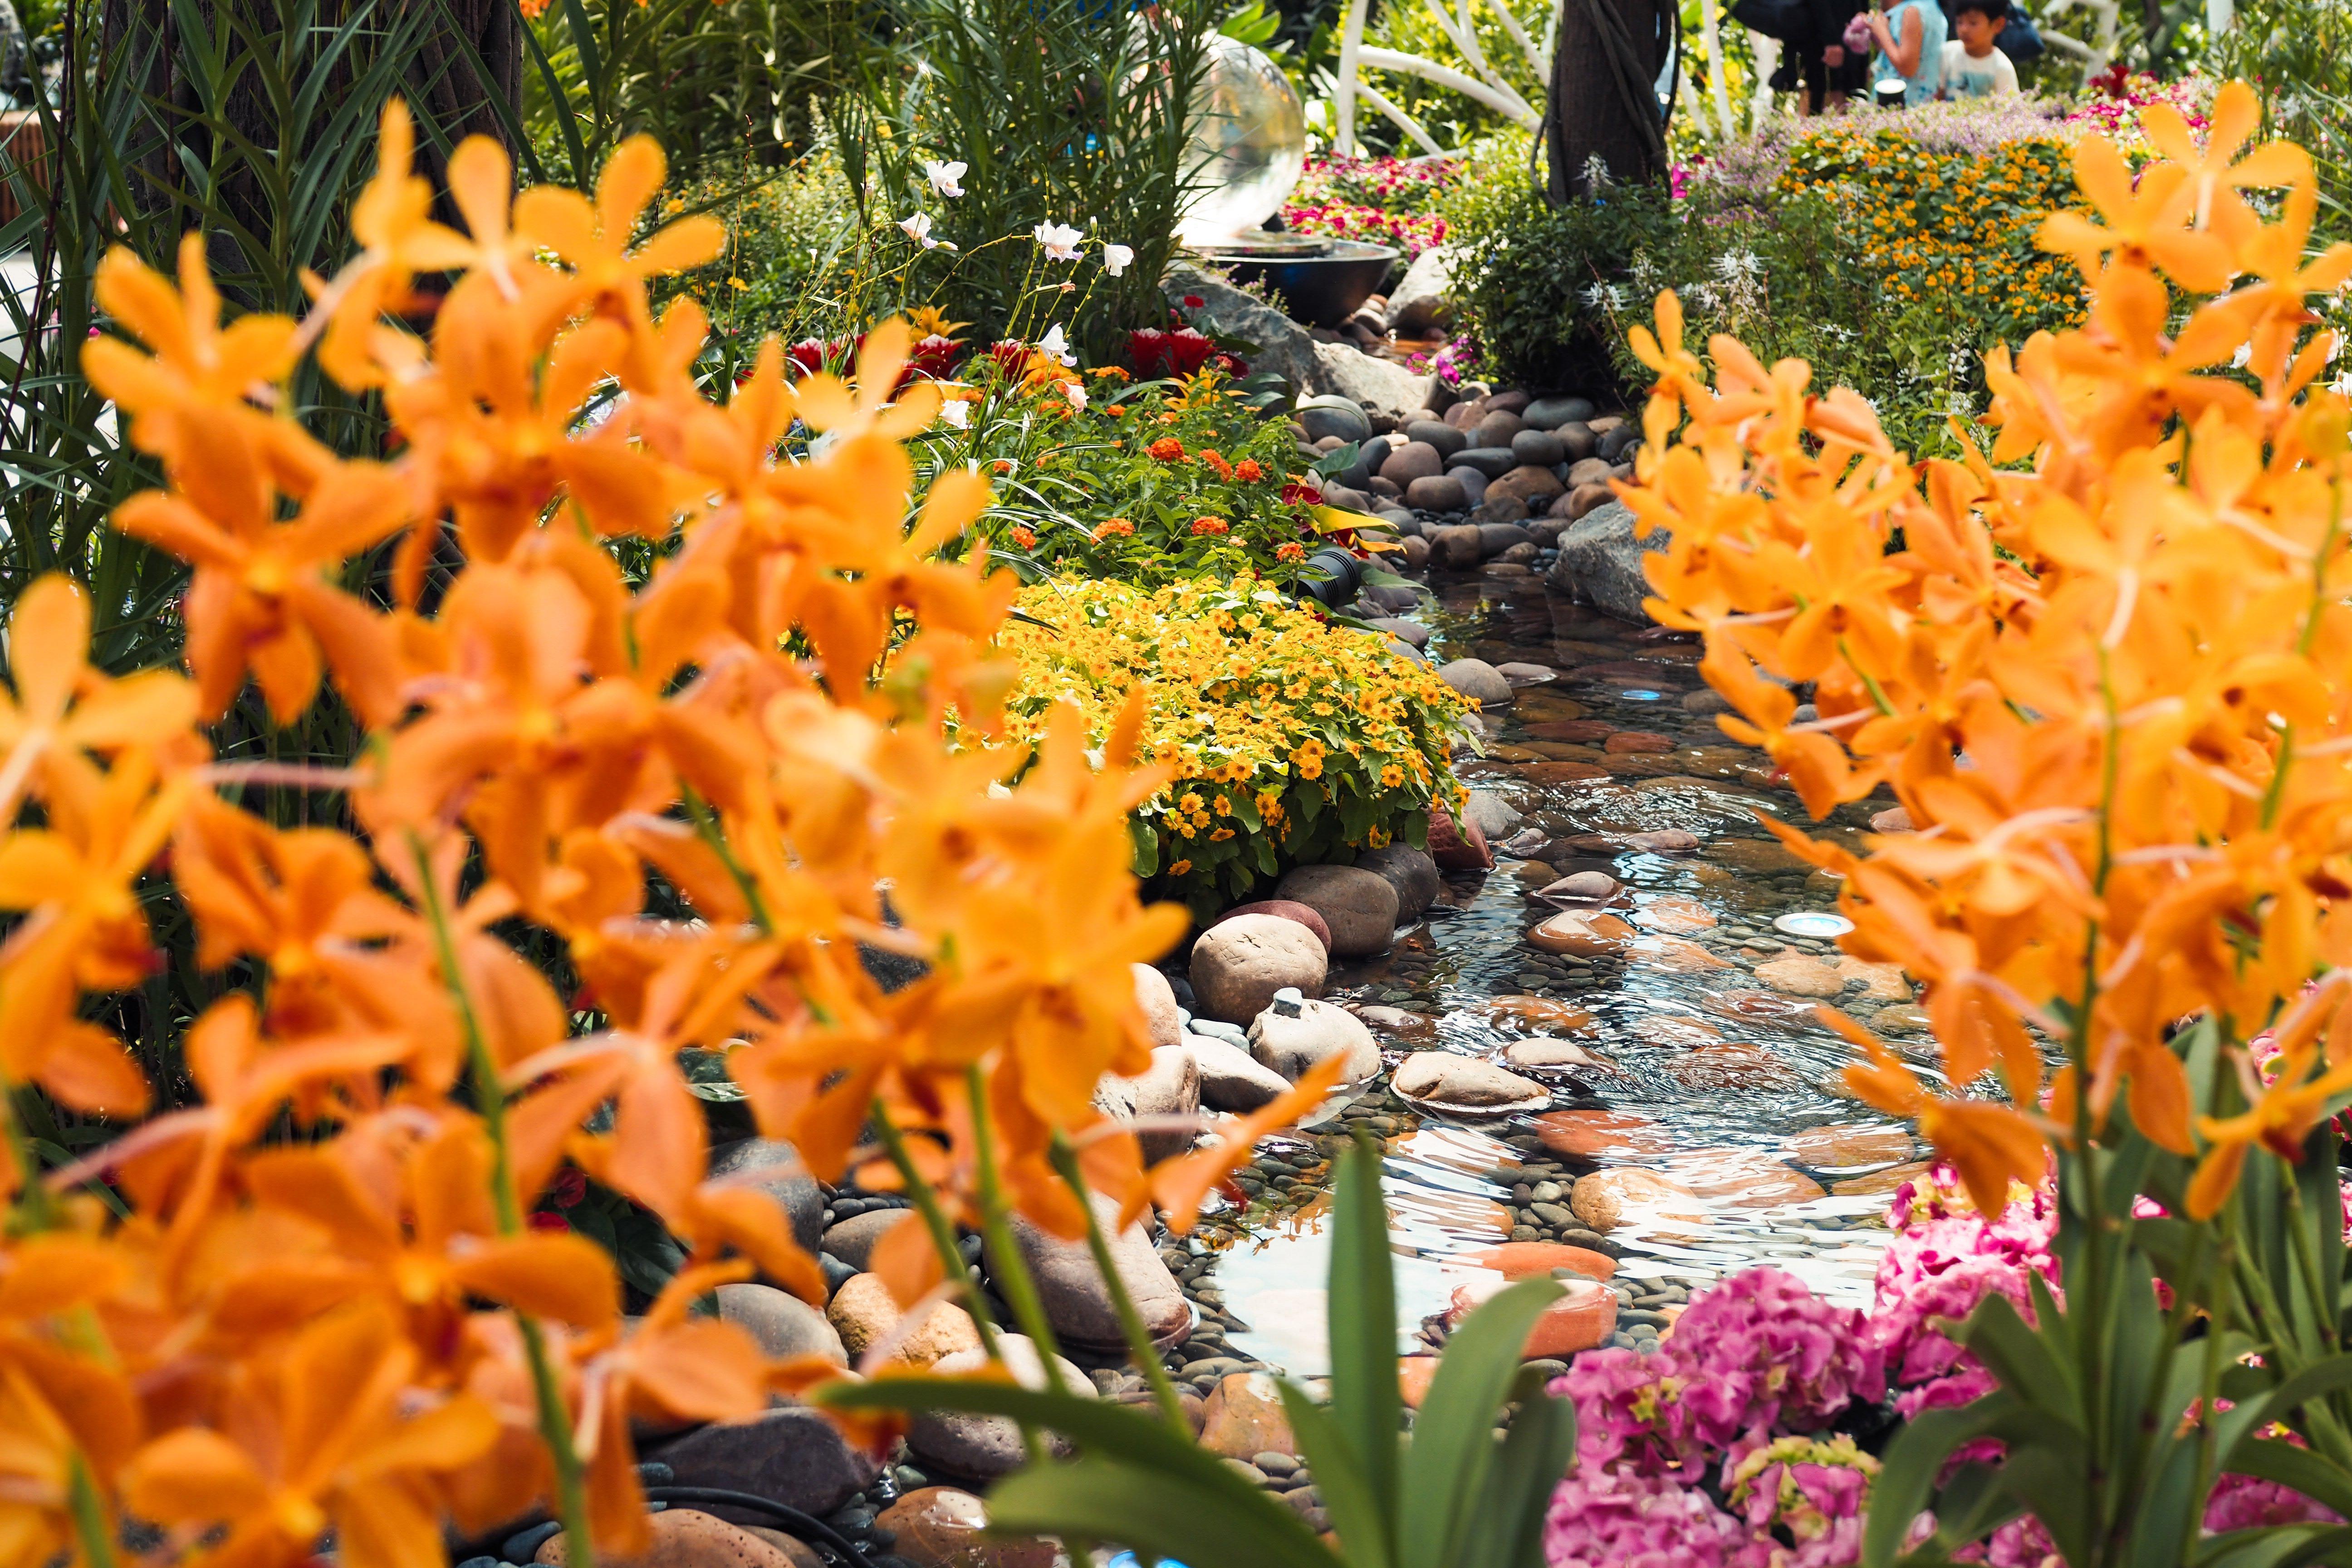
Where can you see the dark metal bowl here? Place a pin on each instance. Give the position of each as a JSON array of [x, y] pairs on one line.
[[1320, 290]]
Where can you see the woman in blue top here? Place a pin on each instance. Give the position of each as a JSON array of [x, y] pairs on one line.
[[1910, 45]]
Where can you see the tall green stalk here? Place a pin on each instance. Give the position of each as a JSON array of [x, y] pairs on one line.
[[490, 1103]]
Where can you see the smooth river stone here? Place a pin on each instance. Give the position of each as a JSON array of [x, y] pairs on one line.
[[1447, 1080], [1281, 909], [1553, 773], [1664, 841], [1534, 1259], [1604, 1134], [1627, 1194], [1849, 1146], [1753, 855], [1743, 1179], [1885, 1182], [1585, 1316], [1625, 740], [1675, 914], [1541, 1012], [1590, 732], [1802, 974], [1581, 888], [1581, 935], [1675, 954], [1728, 1063], [1540, 1053], [1397, 1021], [1668, 1032], [1894, 819], [1760, 1005]]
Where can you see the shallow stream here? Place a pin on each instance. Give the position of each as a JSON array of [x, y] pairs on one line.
[[1717, 1075]]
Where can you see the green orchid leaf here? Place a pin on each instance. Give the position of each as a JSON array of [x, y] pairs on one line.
[[1453, 1449]]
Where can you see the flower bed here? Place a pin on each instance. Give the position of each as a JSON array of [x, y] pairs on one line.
[[1294, 742], [1384, 200]]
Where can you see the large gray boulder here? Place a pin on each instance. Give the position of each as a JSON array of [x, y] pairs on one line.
[[1232, 1078], [789, 1454], [1419, 304], [988, 1448], [782, 1177], [1077, 1302], [1288, 350], [1238, 966], [1358, 907], [1170, 1088], [1601, 561], [1409, 872], [1292, 1043]]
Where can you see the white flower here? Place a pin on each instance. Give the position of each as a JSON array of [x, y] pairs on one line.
[[1060, 240], [1076, 394], [1116, 258], [957, 413], [1053, 345], [943, 177], [919, 229]]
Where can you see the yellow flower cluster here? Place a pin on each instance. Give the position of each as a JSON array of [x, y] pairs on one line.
[[1950, 226], [1291, 741]]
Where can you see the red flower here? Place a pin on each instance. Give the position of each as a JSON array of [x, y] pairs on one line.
[[1212, 525], [1247, 471], [568, 1188], [1113, 528], [1168, 449], [1292, 551], [547, 1219], [813, 354], [1023, 537], [1181, 352], [934, 357], [1194, 301], [1216, 460], [1299, 495]]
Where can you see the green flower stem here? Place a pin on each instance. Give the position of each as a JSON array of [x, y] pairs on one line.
[[1130, 1322], [34, 1210], [490, 1102], [92, 1527], [996, 1228], [935, 1220]]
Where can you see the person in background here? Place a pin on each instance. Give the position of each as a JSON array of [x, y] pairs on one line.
[[1910, 39], [1974, 64], [1832, 70]]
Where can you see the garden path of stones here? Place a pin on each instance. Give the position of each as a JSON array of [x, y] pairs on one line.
[[1578, 1040]]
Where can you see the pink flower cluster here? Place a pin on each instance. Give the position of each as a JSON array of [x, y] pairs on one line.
[[1719, 1448], [1382, 200], [2112, 102], [1756, 1355]]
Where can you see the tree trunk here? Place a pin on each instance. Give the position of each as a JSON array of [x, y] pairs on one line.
[[1605, 101]]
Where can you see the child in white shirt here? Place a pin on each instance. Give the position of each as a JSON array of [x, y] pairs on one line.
[[1973, 64]]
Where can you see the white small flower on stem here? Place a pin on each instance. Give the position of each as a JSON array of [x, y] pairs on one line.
[[919, 229], [1076, 394], [957, 413], [1116, 258], [1060, 240], [944, 177], [1053, 345]]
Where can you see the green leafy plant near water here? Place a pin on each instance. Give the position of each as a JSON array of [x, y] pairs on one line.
[[1447, 1494]]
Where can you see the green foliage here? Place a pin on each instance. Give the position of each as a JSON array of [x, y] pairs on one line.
[[1886, 264], [1447, 1495], [1082, 124], [714, 80], [2111, 1406], [1068, 479]]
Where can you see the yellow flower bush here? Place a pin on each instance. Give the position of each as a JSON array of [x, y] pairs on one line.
[[1291, 742], [1948, 225]]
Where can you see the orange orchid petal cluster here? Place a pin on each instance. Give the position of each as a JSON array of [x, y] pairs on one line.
[[710, 787], [2103, 664]]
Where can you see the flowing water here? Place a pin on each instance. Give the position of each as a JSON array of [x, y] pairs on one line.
[[1725, 1083]]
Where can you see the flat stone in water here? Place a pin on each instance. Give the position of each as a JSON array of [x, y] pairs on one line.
[[1849, 1146], [1603, 1135], [1728, 1063]]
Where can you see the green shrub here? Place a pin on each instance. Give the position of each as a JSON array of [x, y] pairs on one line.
[[1148, 483]]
